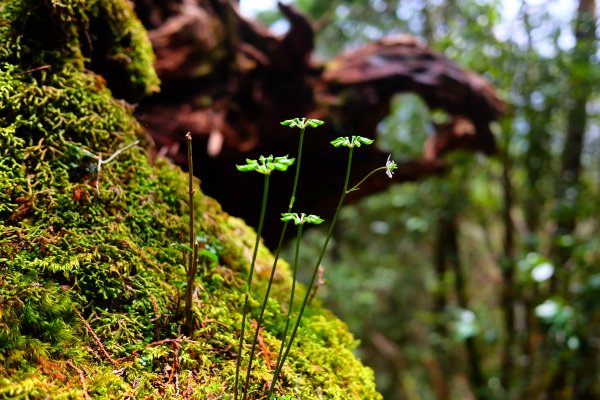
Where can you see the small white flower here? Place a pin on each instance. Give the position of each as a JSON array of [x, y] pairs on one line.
[[390, 166]]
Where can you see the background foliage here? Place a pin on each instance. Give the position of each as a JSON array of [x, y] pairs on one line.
[[483, 283]]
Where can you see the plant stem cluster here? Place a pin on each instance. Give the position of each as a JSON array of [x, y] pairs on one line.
[[266, 165]]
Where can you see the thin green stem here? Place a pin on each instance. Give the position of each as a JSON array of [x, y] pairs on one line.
[[274, 268], [314, 275], [355, 187], [297, 174], [291, 306], [261, 220], [264, 306], [262, 311]]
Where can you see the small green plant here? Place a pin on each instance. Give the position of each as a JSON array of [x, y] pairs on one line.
[[265, 165], [302, 124], [390, 167], [299, 221]]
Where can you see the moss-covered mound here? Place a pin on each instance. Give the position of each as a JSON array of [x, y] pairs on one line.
[[91, 281]]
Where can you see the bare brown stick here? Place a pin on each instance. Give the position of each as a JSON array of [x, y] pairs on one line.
[[320, 282], [81, 379], [34, 69], [93, 334], [175, 367], [192, 260], [188, 138], [263, 347], [188, 390], [170, 340]]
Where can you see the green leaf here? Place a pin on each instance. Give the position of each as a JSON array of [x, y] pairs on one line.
[[291, 216], [287, 216], [302, 123], [302, 218], [249, 166], [284, 160], [341, 141], [209, 254], [313, 219], [314, 123], [265, 165], [292, 123], [359, 140], [183, 246], [282, 163], [355, 141], [245, 168]]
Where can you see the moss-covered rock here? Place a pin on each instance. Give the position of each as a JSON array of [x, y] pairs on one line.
[[91, 278]]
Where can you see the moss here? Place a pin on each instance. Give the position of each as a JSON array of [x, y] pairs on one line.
[[109, 254], [100, 35]]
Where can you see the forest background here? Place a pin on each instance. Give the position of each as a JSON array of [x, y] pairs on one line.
[[483, 283]]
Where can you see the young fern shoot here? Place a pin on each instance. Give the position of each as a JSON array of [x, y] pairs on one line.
[[351, 143], [264, 165], [302, 124]]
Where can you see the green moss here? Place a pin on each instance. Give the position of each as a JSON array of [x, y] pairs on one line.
[[101, 35], [109, 253]]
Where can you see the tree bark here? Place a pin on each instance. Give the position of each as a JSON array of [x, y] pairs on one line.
[[229, 81]]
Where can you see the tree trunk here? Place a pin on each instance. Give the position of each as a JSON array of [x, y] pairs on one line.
[[568, 189], [581, 87]]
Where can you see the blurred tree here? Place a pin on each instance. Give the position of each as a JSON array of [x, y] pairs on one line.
[[491, 275], [581, 84]]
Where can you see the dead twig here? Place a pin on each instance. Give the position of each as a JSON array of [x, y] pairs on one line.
[[262, 345], [188, 390], [29, 71], [175, 366], [210, 320], [176, 340], [320, 282], [194, 246], [81, 375], [93, 334]]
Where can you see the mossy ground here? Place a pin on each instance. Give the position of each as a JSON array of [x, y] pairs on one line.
[[109, 255]]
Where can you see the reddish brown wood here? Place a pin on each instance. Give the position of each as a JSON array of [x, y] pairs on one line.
[[229, 81]]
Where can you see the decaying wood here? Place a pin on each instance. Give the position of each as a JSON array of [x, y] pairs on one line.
[[229, 81]]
